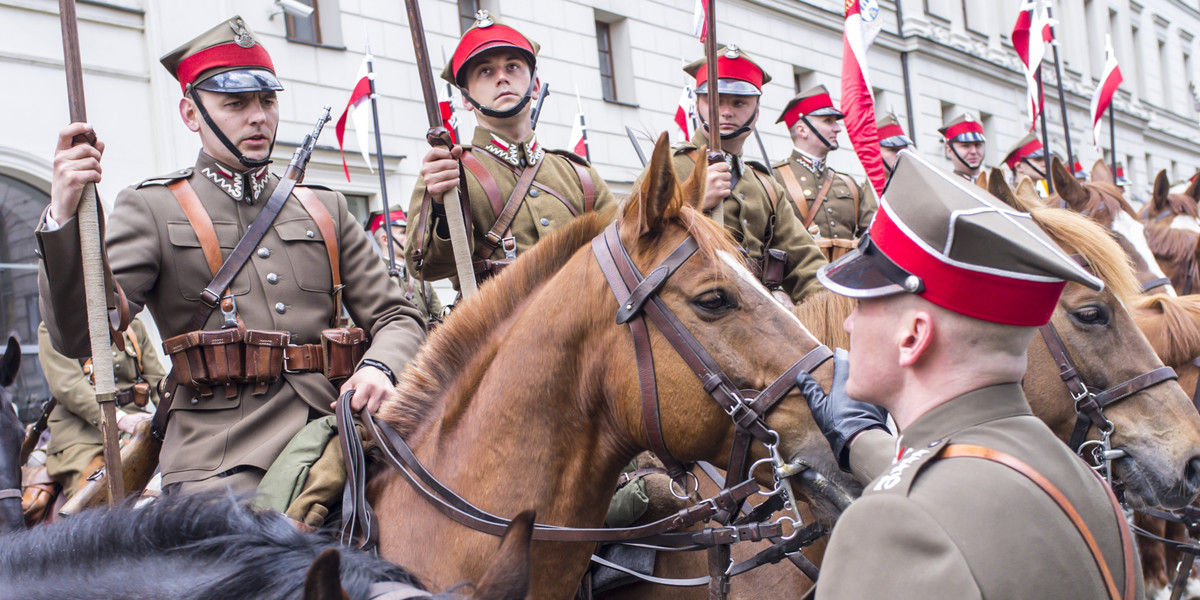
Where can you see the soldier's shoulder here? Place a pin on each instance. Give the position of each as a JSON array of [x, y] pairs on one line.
[[571, 156], [758, 166], [316, 187], [164, 180], [900, 477], [683, 148], [779, 164]]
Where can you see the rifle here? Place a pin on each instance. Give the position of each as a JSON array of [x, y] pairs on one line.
[[92, 251], [35, 430], [537, 106], [438, 136], [636, 146], [763, 148], [715, 155]]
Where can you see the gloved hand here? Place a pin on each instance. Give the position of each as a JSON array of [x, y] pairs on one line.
[[840, 417]]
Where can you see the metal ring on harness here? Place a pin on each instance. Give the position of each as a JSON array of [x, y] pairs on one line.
[[683, 486], [765, 461]]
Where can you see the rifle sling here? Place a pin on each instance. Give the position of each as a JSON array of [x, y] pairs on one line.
[[494, 237]]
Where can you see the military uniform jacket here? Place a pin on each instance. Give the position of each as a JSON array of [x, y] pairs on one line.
[[411, 288], [967, 528], [76, 417], [748, 210], [286, 285], [556, 197], [840, 216]]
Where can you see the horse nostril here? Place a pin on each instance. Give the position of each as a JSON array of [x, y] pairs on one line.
[[1191, 477]]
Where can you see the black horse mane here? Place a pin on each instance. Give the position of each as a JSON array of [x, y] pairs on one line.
[[200, 546]]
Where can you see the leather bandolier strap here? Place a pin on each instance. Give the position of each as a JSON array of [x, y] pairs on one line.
[[1016, 464]]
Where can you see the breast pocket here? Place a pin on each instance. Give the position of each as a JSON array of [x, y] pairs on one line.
[[305, 248], [191, 268]]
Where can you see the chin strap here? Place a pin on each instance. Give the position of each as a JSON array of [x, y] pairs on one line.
[[739, 131], [817, 133], [246, 162], [1031, 166], [961, 159], [503, 114]]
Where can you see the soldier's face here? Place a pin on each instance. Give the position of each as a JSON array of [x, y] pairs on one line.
[[874, 357], [890, 154], [248, 119], [498, 79], [735, 111], [971, 153], [1024, 170]]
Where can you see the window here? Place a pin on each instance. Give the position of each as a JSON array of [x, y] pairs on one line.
[[304, 29], [21, 206], [1164, 74], [604, 49], [803, 79], [466, 13]]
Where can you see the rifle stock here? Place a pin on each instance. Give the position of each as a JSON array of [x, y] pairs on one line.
[[139, 458], [35, 430]]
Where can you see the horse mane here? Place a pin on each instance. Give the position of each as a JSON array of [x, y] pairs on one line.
[[193, 546], [823, 314], [1096, 245], [1171, 244], [1108, 195], [1172, 325]]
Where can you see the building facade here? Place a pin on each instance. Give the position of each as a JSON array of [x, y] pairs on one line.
[[621, 58]]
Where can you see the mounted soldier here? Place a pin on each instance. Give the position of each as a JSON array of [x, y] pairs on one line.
[[258, 352], [977, 498], [966, 145], [418, 292], [822, 197], [514, 190], [891, 141], [754, 206], [1023, 160]]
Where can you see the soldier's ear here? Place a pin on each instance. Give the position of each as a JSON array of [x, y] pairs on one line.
[[189, 113]]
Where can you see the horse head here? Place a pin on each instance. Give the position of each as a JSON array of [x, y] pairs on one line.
[[1164, 206]]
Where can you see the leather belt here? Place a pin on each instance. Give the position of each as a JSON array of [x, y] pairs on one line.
[[303, 358]]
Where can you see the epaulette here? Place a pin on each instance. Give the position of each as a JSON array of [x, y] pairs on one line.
[[315, 186], [780, 164], [683, 148], [754, 164], [899, 478], [571, 156], [166, 179]]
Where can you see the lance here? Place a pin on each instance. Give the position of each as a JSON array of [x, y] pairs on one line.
[[92, 250], [1112, 136], [1062, 98], [393, 271], [763, 149], [1045, 134], [904, 69], [714, 99], [636, 146], [438, 136]]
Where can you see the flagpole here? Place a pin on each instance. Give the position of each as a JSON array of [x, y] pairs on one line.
[[387, 220], [1045, 132], [908, 106], [1112, 135], [1062, 98]]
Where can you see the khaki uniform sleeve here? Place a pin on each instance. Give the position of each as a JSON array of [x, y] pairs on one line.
[[871, 454], [67, 383], [885, 546], [804, 258], [867, 205], [604, 196], [438, 260], [152, 367], [374, 302]]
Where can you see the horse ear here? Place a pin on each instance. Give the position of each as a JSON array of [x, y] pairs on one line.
[[1026, 194], [324, 579], [982, 180], [1162, 188], [11, 363], [508, 576], [1000, 188], [693, 188], [1193, 190], [1067, 187], [658, 199], [1101, 173]]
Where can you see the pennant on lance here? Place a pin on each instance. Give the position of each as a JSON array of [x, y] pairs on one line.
[[862, 25], [1109, 82], [360, 93]]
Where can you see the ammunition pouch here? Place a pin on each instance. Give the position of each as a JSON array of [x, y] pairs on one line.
[[38, 493], [773, 263], [138, 395], [835, 248], [226, 357]]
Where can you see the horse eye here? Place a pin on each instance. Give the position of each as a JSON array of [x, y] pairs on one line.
[[714, 301], [1091, 315]]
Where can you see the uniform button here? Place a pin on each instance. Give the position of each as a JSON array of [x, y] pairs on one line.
[[195, 400], [533, 192], [803, 178], [310, 234], [545, 222], [264, 252], [280, 307], [829, 210], [272, 278], [807, 192], [835, 235]]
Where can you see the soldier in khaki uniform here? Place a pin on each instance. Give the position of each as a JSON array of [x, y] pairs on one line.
[[832, 201], [76, 444], [750, 199], [1026, 159], [227, 437], [965, 145], [418, 292], [495, 66], [953, 509], [891, 140]]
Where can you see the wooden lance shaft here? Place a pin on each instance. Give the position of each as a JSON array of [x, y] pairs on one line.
[[715, 154], [88, 216]]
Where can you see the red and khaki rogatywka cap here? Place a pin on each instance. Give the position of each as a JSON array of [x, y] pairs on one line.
[[811, 102], [737, 73], [486, 34], [396, 218], [963, 128], [955, 245], [1027, 147], [891, 134], [227, 58]]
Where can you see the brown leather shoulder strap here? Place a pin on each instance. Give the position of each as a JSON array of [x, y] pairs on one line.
[[316, 210], [137, 348], [495, 236], [820, 199], [200, 222], [767, 185], [850, 183], [1016, 464], [794, 190], [485, 179], [586, 183]]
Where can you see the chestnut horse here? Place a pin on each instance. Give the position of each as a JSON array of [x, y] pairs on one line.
[[1157, 427], [1172, 229], [529, 395]]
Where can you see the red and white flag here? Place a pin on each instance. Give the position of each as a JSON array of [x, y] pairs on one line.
[[700, 20], [685, 112], [578, 142], [361, 93], [1032, 16], [862, 25], [1109, 82], [446, 103]]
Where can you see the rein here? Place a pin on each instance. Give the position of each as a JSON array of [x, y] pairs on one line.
[[10, 493]]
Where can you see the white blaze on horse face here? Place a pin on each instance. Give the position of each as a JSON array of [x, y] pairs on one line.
[[1186, 222], [1133, 231], [753, 282]]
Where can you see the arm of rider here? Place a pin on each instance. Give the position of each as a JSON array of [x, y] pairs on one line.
[[717, 185], [840, 418], [439, 169], [371, 387], [75, 165]]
